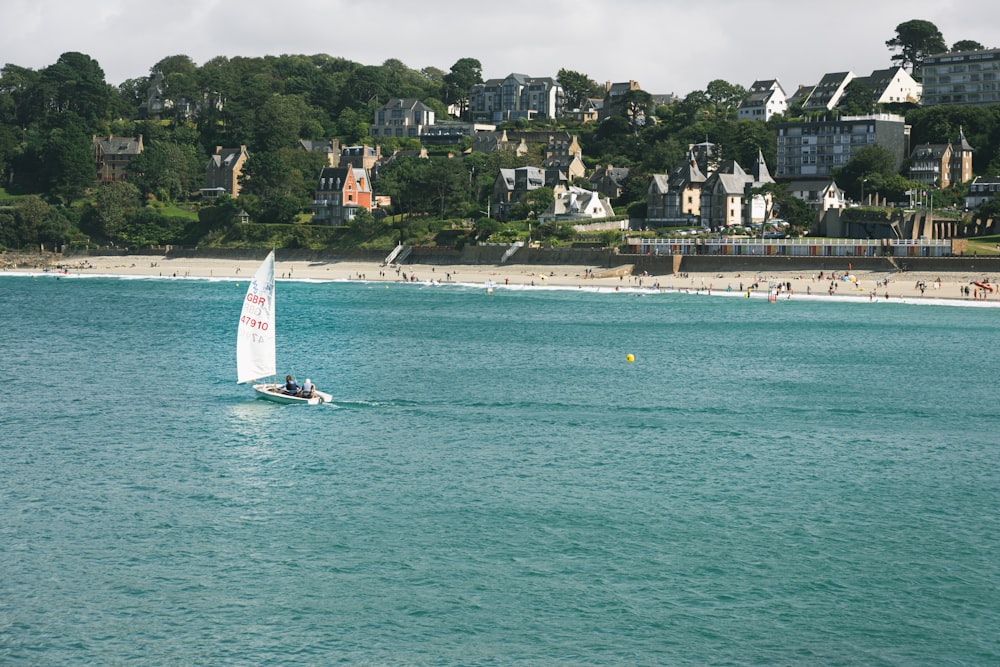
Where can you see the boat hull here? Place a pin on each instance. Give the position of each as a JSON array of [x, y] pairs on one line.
[[273, 393]]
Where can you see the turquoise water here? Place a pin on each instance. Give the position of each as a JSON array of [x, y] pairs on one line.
[[768, 483]]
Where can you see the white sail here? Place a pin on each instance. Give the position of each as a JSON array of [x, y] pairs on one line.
[[255, 351]]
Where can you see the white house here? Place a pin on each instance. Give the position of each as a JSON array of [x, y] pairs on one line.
[[982, 189], [822, 195], [766, 98], [578, 204], [893, 85]]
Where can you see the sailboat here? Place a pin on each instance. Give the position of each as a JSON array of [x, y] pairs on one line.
[[256, 357]]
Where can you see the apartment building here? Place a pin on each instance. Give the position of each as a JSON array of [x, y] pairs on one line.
[[513, 97], [814, 149], [962, 77]]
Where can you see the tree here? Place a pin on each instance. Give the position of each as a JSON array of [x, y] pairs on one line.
[[279, 122], [66, 159], [989, 209], [17, 86], [577, 88], [967, 45], [538, 201], [464, 74], [636, 106], [694, 105], [352, 126], [556, 229], [33, 223], [725, 97], [76, 83], [367, 225], [915, 40], [874, 164], [169, 171], [858, 99], [115, 202], [10, 148], [486, 227], [133, 93], [180, 82]]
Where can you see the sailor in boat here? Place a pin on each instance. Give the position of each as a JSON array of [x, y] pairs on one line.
[[308, 389], [290, 387]]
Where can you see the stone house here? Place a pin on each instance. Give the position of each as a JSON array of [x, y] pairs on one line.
[[112, 156], [613, 94], [401, 117], [588, 112], [942, 165], [488, 142], [223, 173], [363, 157], [330, 149], [563, 152], [511, 186], [674, 199], [726, 198], [609, 180]]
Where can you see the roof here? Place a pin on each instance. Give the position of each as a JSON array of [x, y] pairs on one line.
[[733, 184], [925, 151], [226, 157], [801, 94], [361, 178], [406, 103], [659, 183], [961, 141], [811, 186], [761, 174], [828, 90], [336, 174], [325, 146], [119, 145], [686, 173], [616, 175], [761, 91]]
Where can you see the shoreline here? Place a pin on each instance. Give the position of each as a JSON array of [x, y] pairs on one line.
[[860, 284]]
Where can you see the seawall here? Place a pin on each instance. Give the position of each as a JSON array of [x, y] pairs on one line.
[[586, 257]]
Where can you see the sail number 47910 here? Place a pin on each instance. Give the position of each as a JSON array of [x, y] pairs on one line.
[[254, 323]]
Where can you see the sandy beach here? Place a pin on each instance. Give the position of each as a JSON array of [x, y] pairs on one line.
[[867, 285]]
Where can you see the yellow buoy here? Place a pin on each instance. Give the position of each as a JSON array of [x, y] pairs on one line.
[[629, 358]]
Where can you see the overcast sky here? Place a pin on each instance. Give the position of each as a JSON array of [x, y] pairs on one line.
[[665, 45]]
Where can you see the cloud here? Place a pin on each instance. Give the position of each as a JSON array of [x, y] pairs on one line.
[[667, 46]]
